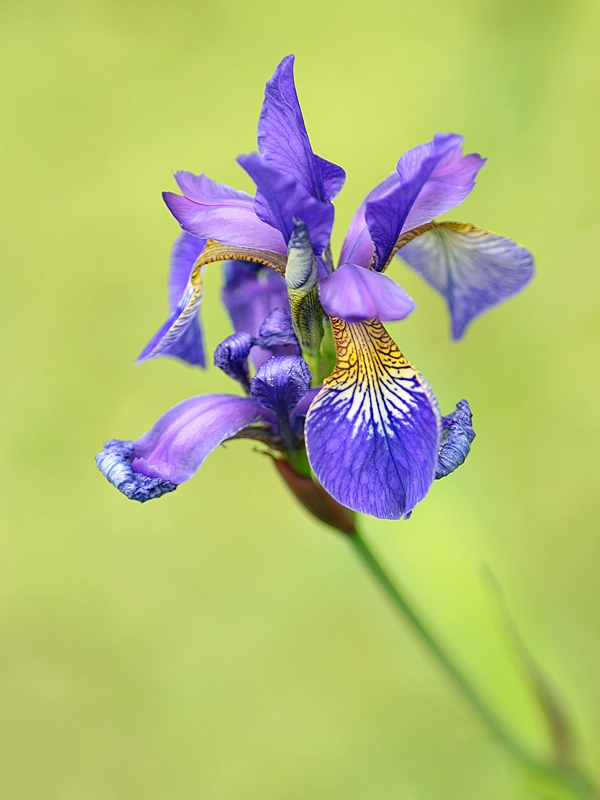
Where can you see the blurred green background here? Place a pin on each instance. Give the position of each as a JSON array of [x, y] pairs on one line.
[[218, 643]]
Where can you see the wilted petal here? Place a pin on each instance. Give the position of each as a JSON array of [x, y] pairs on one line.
[[458, 435], [283, 141], [211, 210], [281, 198], [232, 357], [114, 462], [355, 294], [179, 442], [472, 268], [373, 431], [249, 294]]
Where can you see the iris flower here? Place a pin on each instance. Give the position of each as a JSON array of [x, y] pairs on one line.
[[351, 425]]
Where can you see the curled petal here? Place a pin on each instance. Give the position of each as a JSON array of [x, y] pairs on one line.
[[281, 198], [354, 294], [458, 435], [472, 268], [189, 345], [232, 357], [114, 462], [277, 331], [179, 442], [211, 210], [281, 383], [373, 431], [283, 141]]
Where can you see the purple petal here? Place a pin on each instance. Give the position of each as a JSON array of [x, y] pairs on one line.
[[249, 294], [283, 141], [281, 198], [181, 335], [180, 441], [430, 179], [459, 435], [211, 210], [355, 294], [281, 383], [277, 331], [114, 462], [472, 268], [232, 357], [373, 432]]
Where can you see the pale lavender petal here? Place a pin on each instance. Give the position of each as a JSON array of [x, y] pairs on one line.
[[211, 210], [114, 462], [232, 357], [472, 268], [283, 141], [250, 293], [355, 294], [281, 198], [458, 436], [179, 442], [373, 432]]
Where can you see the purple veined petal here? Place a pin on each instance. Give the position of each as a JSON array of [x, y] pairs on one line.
[[283, 141], [189, 346], [458, 437], [281, 383], [472, 268], [358, 247], [181, 336], [250, 293], [211, 210], [429, 180], [355, 294], [280, 198], [179, 442], [373, 431], [232, 357]]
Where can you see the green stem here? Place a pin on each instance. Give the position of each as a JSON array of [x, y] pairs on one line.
[[567, 776]]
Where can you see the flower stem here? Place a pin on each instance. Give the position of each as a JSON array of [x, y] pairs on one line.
[[567, 777]]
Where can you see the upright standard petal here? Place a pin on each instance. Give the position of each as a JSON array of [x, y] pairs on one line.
[[211, 210], [179, 442], [429, 180], [281, 198], [472, 268], [250, 293], [283, 141], [189, 345], [373, 431], [458, 436], [355, 294]]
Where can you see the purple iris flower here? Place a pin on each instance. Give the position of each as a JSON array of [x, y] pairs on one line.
[[368, 436]]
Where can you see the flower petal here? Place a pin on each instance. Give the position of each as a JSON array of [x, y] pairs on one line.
[[232, 357], [189, 346], [179, 442], [281, 198], [355, 293], [250, 293], [213, 210], [459, 435], [283, 141], [114, 462], [277, 331], [373, 431], [429, 180], [281, 383], [472, 268]]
